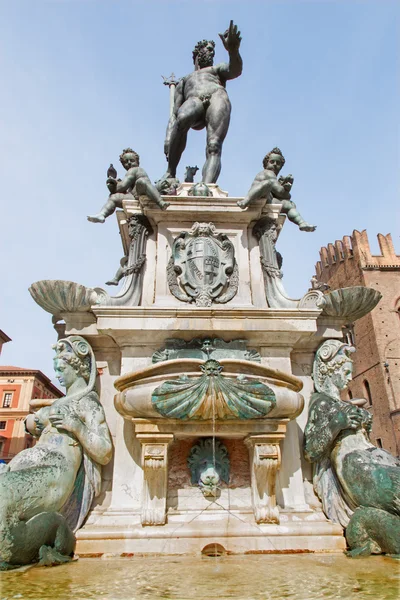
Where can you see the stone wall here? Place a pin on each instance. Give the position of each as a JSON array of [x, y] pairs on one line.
[[349, 262]]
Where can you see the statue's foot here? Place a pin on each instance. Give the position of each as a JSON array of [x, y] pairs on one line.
[[163, 204], [96, 218], [48, 556], [242, 203], [307, 227], [112, 282]]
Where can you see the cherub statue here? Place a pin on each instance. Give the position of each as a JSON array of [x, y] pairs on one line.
[[358, 484], [135, 182], [46, 491], [267, 185]]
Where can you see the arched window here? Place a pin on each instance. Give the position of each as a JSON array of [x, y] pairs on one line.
[[350, 394], [368, 394]]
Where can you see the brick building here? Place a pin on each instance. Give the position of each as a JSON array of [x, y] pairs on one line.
[[377, 335], [18, 387]]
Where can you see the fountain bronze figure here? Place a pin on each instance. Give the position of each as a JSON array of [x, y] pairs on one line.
[[201, 101]]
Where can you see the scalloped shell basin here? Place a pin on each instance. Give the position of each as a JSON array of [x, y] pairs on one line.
[[134, 399]]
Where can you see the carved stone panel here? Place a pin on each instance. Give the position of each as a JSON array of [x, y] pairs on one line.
[[205, 348], [202, 267]]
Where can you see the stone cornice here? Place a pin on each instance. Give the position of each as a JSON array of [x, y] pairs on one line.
[[13, 413]]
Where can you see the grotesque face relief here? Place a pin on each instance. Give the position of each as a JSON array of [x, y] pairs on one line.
[[275, 163], [208, 462], [205, 56], [211, 368], [65, 374]]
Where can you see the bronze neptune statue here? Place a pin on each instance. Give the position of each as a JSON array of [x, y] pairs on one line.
[[46, 491], [358, 484], [201, 101]]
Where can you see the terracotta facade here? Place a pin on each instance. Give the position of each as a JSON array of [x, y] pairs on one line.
[[377, 335], [18, 387]]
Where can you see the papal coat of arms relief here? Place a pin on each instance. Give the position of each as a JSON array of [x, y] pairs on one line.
[[202, 267]]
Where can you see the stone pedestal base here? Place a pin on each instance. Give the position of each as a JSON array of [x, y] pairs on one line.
[[235, 531]]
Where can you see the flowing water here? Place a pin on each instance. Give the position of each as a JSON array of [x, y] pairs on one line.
[[258, 577]]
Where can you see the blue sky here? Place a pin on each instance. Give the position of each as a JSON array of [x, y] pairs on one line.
[[81, 79]]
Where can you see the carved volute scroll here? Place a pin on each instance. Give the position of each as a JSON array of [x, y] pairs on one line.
[[155, 471], [265, 460], [266, 231], [139, 229], [202, 267]]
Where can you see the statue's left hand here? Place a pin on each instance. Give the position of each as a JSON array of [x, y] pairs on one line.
[[286, 182], [68, 421], [231, 38], [111, 183]]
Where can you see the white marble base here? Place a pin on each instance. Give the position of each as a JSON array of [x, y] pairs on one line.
[[121, 533], [147, 510]]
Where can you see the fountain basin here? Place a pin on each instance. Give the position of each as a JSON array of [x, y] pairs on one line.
[[239, 379]]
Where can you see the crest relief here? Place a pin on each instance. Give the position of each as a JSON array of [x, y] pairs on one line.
[[202, 267]]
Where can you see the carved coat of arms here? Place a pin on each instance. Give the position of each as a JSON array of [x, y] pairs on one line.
[[202, 267]]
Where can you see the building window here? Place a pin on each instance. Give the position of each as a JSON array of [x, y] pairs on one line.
[[350, 394], [7, 399], [379, 442], [3, 424], [368, 392]]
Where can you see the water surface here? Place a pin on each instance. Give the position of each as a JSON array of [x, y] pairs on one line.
[[258, 577]]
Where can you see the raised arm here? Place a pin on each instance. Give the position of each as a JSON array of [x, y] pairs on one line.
[[178, 101], [231, 40], [122, 185], [94, 435], [279, 191]]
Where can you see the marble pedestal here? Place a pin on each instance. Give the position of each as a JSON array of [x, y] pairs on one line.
[[148, 504]]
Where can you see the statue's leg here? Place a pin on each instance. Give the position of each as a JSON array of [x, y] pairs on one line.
[[218, 116], [189, 114], [145, 187], [117, 277], [294, 216], [107, 210], [260, 189]]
